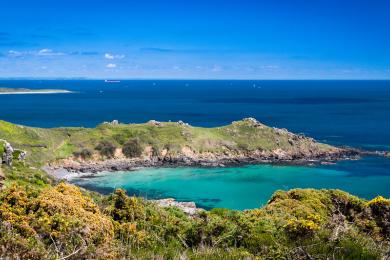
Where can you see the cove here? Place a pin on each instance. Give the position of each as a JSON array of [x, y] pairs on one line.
[[242, 187]]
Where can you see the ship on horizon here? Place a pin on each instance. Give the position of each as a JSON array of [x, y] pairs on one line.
[[111, 81]]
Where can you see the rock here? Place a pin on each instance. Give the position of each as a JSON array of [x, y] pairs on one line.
[[19, 155], [113, 122], [155, 123], [8, 151], [188, 207], [253, 121], [182, 123]]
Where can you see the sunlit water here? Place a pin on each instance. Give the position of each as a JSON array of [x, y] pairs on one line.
[[241, 187]]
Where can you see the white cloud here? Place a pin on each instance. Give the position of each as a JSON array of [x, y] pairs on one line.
[[110, 56], [13, 53], [111, 65], [49, 52], [42, 52]]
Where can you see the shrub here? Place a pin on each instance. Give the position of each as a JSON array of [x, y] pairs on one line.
[[53, 223], [106, 149], [85, 154], [132, 148]]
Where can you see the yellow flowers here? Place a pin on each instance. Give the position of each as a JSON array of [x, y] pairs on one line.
[[379, 200], [301, 226]]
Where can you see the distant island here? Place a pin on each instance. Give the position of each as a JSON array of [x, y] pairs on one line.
[[10, 91]]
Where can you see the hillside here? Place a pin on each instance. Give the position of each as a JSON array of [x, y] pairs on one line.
[[240, 141], [43, 219]]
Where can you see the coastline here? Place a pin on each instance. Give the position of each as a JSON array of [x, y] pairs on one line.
[[67, 169], [36, 92]]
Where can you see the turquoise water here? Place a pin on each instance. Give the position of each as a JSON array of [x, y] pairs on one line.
[[238, 187]]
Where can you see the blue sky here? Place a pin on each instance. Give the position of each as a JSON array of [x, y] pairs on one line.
[[296, 39]]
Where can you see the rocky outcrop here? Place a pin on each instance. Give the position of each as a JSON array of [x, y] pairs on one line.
[[113, 122], [254, 122], [205, 160], [8, 153], [188, 207]]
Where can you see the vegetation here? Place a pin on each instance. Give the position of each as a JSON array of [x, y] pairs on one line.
[[51, 222], [106, 149], [132, 148], [83, 154], [43, 219]]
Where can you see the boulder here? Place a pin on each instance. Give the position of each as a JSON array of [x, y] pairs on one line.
[[180, 122], [7, 151], [188, 207], [155, 123], [254, 122]]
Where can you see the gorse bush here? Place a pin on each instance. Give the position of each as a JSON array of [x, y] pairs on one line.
[[132, 148], [52, 223], [63, 222], [106, 149]]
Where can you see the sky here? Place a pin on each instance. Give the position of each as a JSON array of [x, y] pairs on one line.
[[214, 39]]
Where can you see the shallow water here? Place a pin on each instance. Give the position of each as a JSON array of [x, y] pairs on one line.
[[243, 187]]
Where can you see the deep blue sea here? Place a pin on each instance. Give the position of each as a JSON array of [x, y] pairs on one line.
[[352, 113]]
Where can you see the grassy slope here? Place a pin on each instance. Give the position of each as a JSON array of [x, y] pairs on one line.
[[56, 143]]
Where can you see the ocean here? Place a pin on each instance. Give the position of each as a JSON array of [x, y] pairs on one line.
[[343, 113]]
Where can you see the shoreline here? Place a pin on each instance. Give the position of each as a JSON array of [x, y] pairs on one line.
[[70, 169], [36, 92]]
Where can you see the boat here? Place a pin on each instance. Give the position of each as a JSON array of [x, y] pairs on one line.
[[111, 81]]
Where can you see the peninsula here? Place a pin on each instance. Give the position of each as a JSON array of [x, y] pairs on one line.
[[20, 91], [113, 146]]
